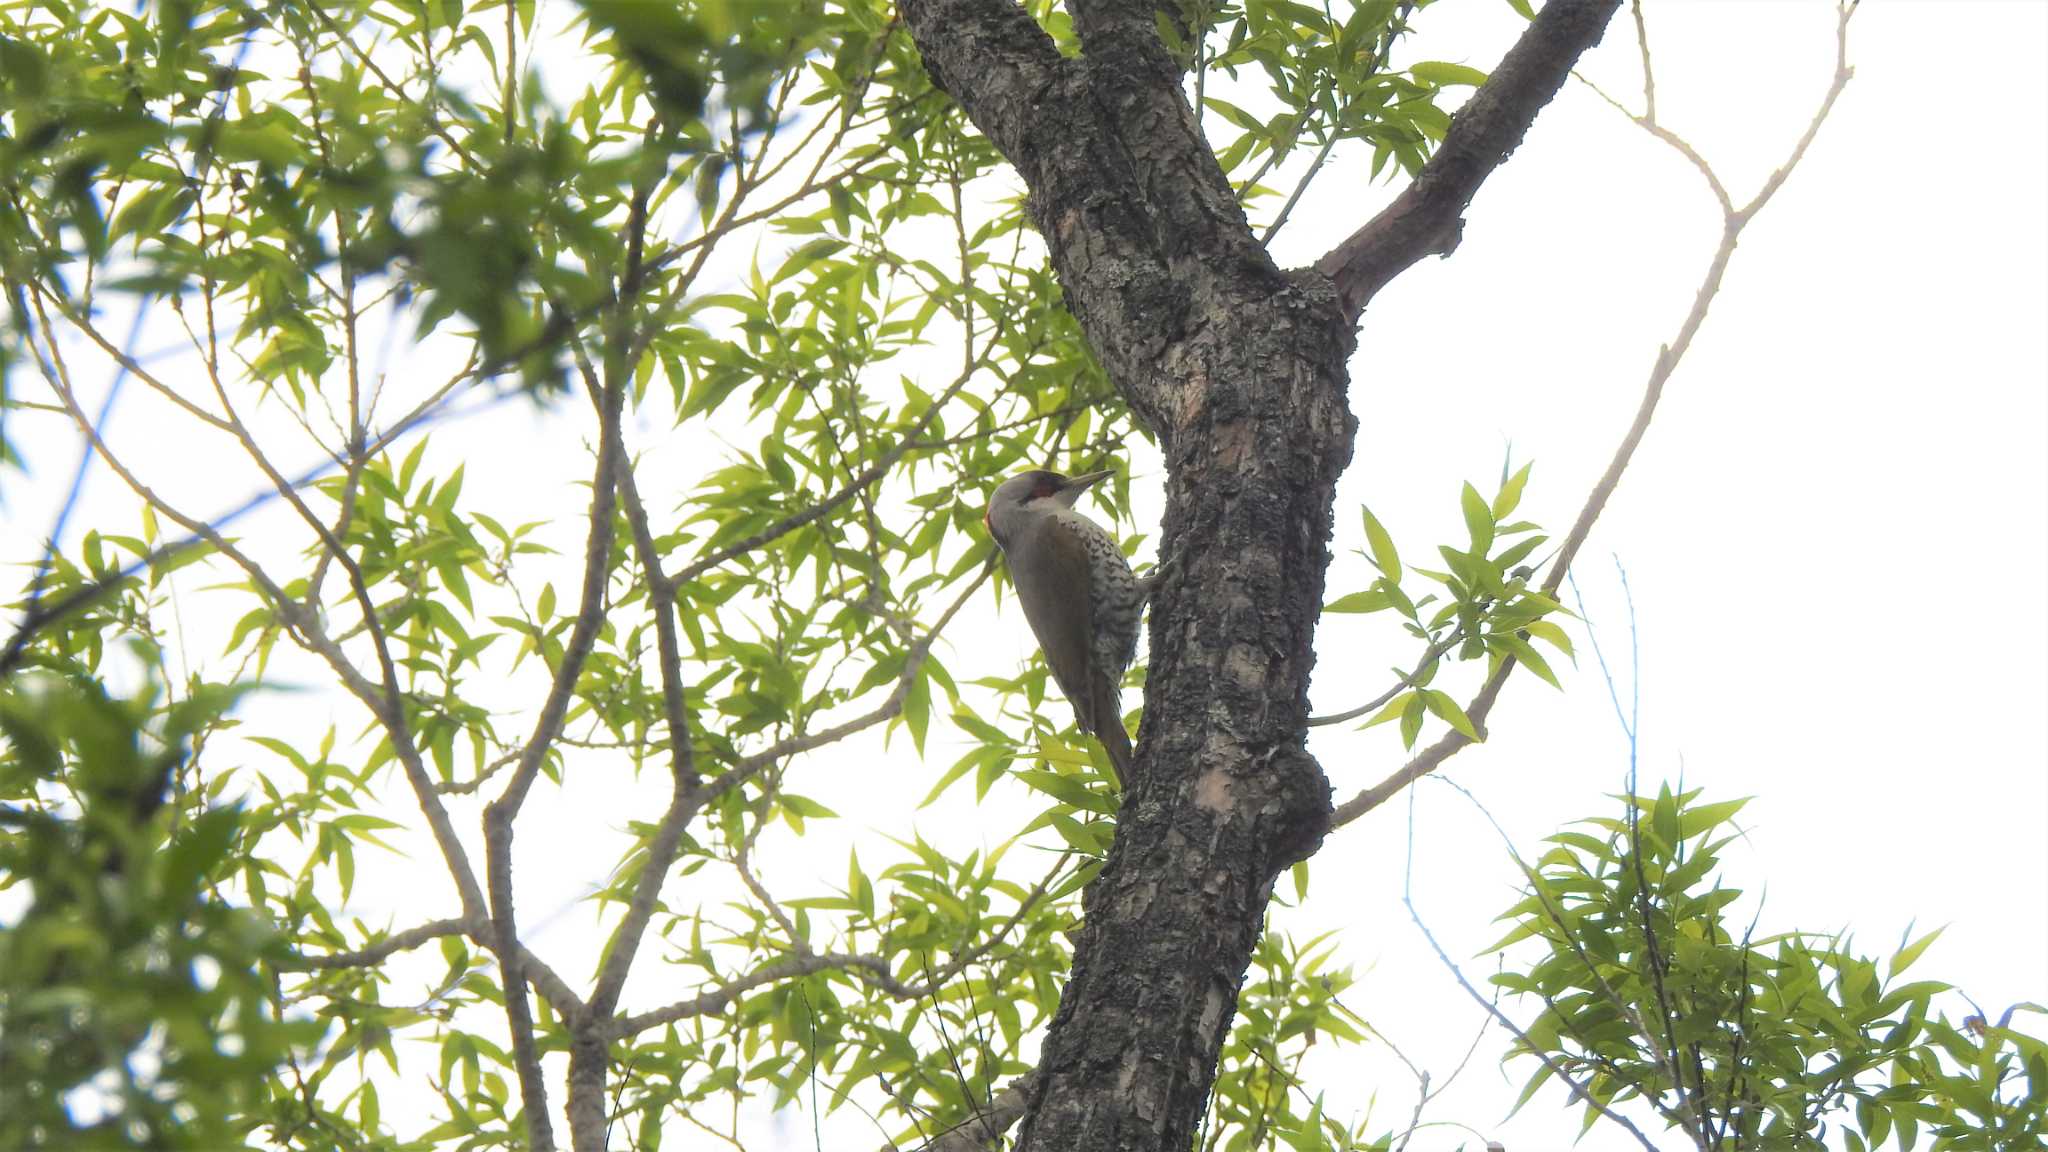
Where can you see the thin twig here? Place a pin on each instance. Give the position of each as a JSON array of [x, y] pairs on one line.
[[873, 969], [1649, 77], [396, 942], [1667, 360], [1397, 23], [500, 814], [1579, 1091], [1434, 652], [870, 475]]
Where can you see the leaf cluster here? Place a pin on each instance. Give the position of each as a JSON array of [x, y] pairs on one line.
[[1788, 1041], [1488, 608], [797, 267], [133, 1009]]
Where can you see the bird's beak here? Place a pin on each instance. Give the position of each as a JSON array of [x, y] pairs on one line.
[[1079, 484]]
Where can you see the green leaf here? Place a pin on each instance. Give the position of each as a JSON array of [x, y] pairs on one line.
[[1911, 952], [1664, 818], [1447, 710], [200, 847], [917, 710], [1518, 648], [1510, 494], [1478, 519], [269, 145], [1411, 719], [1440, 73], [805, 807], [1542, 1072], [1384, 557], [1394, 708], [807, 255], [1550, 634], [960, 768], [1371, 600], [1698, 818]]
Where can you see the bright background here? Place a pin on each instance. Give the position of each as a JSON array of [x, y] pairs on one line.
[[1836, 532]]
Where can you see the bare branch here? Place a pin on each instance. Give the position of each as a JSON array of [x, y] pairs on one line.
[[293, 615], [1667, 360], [396, 942], [683, 805], [715, 1001], [465, 787], [1579, 1091], [134, 367], [1843, 74], [390, 708], [742, 863], [1635, 8], [1427, 217], [1433, 652], [500, 814]]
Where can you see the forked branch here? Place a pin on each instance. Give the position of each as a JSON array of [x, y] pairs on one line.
[[1428, 216]]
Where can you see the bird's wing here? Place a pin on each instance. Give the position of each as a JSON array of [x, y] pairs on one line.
[[1056, 605]]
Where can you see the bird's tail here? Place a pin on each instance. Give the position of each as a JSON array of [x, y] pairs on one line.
[[1109, 728]]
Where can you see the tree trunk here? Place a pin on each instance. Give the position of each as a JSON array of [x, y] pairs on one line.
[[1240, 370]]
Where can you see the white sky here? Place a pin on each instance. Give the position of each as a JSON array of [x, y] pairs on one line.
[[1836, 531]]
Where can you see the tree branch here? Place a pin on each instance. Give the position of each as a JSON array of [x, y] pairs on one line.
[[715, 1001], [991, 57], [874, 969], [889, 709], [1733, 221], [396, 942], [1427, 217], [984, 1130], [500, 813], [1579, 1091], [1431, 654], [390, 709], [625, 942], [134, 367]]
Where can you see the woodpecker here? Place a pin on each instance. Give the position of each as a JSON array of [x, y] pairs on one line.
[[1079, 595]]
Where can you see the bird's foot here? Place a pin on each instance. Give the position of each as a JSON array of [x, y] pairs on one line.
[[1150, 581]]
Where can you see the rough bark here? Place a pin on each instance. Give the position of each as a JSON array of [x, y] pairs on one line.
[[1240, 370]]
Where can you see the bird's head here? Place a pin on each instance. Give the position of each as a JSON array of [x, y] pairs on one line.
[[1033, 492]]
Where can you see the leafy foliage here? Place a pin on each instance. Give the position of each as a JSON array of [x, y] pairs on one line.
[[1259, 1099], [747, 234], [1488, 607], [1739, 1041], [133, 1009]]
